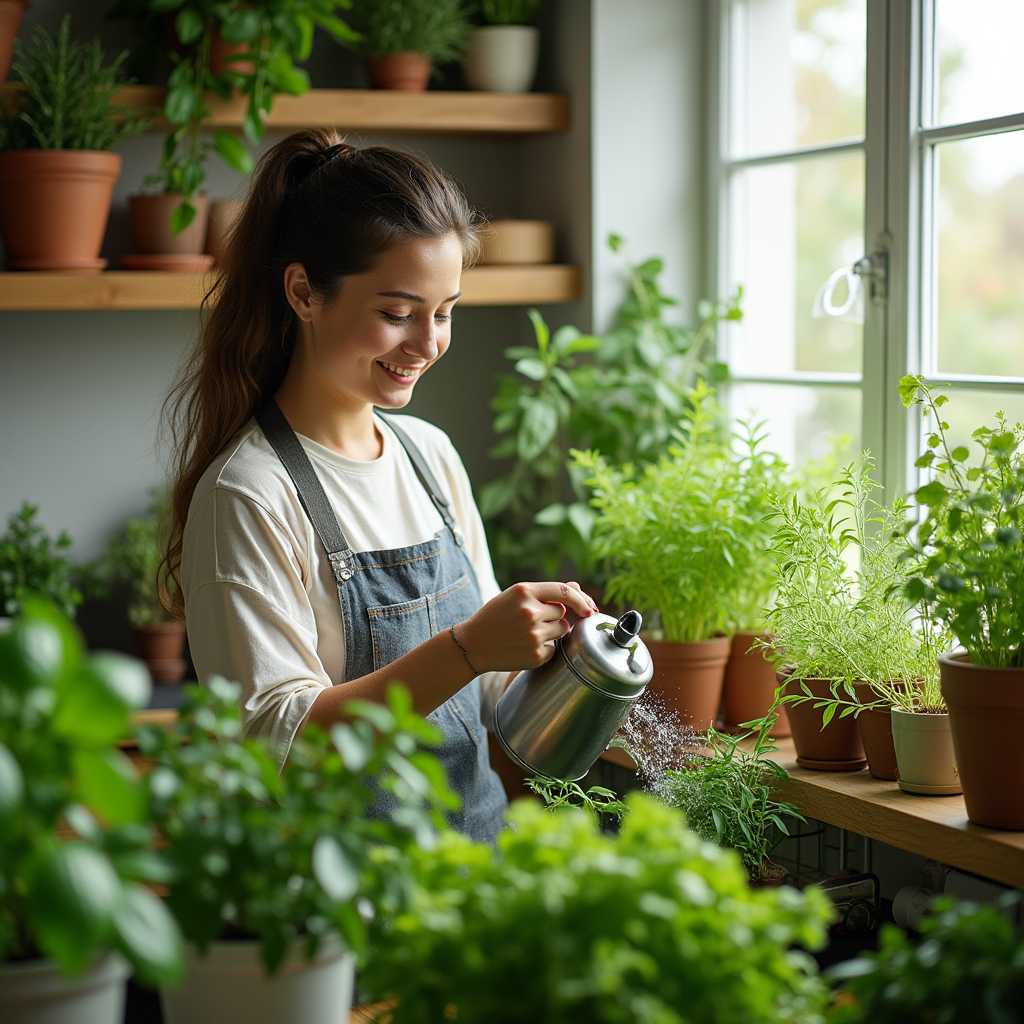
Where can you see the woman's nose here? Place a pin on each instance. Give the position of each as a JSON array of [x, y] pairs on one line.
[[423, 342]]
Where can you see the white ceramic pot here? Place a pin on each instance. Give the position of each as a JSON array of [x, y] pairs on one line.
[[924, 753], [35, 992], [229, 984], [502, 58]]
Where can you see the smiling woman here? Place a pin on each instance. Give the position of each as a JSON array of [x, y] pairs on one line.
[[316, 539]]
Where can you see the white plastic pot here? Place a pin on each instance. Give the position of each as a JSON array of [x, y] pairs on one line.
[[924, 753], [35, 992], [230, 984], [502, 58]]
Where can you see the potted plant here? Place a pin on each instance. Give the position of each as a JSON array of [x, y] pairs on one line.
[[11, 12], [966, 968], [134, 559], [402, 39], [74, 837], [57, 173], [563, 923], [967, 563], [678, 536], [502, 55], [729, 797], [272, 872], [32, 562]]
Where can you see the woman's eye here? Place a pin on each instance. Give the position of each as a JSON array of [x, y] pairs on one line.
[[443, 318], [395, 319]]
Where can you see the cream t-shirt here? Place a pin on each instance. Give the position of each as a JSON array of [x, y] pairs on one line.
[[260, 599]]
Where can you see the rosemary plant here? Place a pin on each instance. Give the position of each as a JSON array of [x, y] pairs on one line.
[[508, 12]]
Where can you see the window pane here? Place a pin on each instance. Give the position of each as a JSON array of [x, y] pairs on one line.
[[978, 63], [802, 422], [968, 410], [980, 222], [793, 224], [798, 72]]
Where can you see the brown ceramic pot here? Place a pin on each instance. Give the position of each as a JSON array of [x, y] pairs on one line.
[[151, 225], [54, 205], [160, 646], [11, 12], [876, 735], [986, 714], [750, 685], [407, 71], [689, 678], [772, 876], [837, 747]]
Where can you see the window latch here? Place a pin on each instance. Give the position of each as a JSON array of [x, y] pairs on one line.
[[874, 269]]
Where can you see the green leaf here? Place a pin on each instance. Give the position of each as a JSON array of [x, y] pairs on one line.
[[495, 497], [582, 517], [180, 104], [532, 368], [1007, 536], [89, 712], [232, 151], [126, 678], [107, 785], [908, 389], [960, 453], [241, 26], [333, 869], [540, 329], [931, 494], [11, 782], [538, 429], [354, 750], [149, 936], [182, 216], [189, 25], [925, 460], [551, 515]]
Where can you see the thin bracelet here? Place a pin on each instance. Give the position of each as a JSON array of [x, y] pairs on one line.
[[465, 653]]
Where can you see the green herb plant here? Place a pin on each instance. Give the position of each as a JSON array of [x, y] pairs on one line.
[[32, 562], [508, 12], [561, 924], [292, 855], [437, 29], [729, 795], [596, 799], [967, 968], [74, 898], [67, 99], [682, 536], [835, 616], [966, 556]]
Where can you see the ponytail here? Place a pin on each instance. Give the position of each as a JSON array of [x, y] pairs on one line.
[[331, 207]]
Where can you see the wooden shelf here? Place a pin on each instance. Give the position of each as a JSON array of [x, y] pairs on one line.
[[139, 289], [379, 110]]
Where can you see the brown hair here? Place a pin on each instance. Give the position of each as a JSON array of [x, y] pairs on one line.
[[333, 208]]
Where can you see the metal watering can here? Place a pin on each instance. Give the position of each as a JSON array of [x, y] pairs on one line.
[[556, 720]]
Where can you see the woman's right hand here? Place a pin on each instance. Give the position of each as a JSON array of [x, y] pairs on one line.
[[515, 630]]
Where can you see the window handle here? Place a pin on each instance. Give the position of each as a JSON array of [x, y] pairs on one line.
[[875, 268]]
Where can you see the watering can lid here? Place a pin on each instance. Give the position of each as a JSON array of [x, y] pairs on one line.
[[608, 653]]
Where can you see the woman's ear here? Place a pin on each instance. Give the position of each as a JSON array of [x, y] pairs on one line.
[[297, 291]]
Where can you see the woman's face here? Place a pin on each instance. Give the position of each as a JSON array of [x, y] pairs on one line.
[[384, 329]]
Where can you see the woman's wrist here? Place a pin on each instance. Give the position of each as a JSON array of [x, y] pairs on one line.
[[465, 654]]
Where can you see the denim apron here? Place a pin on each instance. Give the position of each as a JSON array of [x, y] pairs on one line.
[[391, 602]]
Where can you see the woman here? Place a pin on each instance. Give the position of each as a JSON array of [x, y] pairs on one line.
[[314, 540]]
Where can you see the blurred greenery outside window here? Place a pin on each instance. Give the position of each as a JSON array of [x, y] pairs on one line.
[[844, 128]]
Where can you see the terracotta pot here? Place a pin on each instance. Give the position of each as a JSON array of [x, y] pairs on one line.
[[986, 713], [689, 678], [11, 12], [772, 876], [876, 735], [837, 747], [160, 646], [750, 685], [151, 225], [407, 71], [924, 751], [223, 215], [221, 53], [54, 205]]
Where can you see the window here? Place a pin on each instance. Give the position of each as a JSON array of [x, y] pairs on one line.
[[868, 178]]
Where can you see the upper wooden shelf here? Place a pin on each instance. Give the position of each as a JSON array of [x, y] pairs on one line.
[[379, 110], [140, 289]]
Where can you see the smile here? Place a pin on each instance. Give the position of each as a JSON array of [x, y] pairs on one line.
[[399, 372]]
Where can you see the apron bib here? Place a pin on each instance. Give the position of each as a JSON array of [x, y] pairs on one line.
[[394, 600]]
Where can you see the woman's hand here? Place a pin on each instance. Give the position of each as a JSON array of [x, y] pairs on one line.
[[515, 630]]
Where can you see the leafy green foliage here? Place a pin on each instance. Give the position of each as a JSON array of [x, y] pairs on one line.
[[687, 536], [838, 614], [134, 559], [729, 796], [626, 402], [61, 714], [968, 968], [966, 556], [508, 12], [67, 102], [562, 924], [437, 29], [32, 562], [295, 855], [596, 799]]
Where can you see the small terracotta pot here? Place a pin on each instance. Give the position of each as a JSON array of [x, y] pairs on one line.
[[689, 677], [160, 646], [407, 71], [837, 747], [221, 53], [750, 685], [151, 225], [986, 714], [11, 12], [54, 205], [924, 751], [223, 215], [876, 735]]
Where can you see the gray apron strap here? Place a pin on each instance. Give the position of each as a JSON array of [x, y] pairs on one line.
[[311, 492], [430, 485]]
